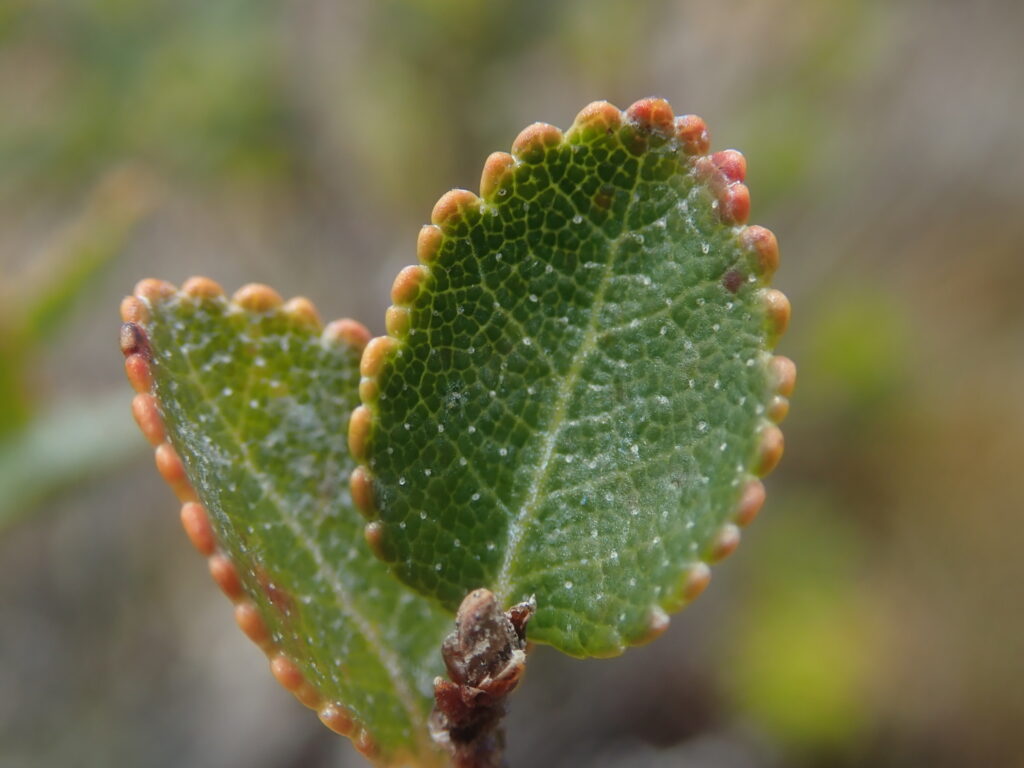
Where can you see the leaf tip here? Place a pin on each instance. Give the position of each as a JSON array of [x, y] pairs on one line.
[[202, 288], [598, 117], [533, 142], [302, 312], [256, 297], [652, 114]]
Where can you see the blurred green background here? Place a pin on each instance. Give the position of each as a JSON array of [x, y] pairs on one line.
[[873, 615]]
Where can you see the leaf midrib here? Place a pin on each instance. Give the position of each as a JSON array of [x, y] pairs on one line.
[[530, 506]]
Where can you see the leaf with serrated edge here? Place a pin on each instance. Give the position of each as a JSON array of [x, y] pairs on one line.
[[576, 395], [254, 399]]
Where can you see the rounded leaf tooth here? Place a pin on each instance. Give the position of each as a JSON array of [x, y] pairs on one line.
[[594, 119], [351, 332], [731, 164], [361, 486], [693, 136], [197, 527], [249, 620], [303, 313], [762, 243], [287, 673], [223, 572], [308, 696], [374, 534], [134, 311], [406, 286], [147, 416], [397, 321], [652, 114], [734, 204], [153, 290], [256, 297], [202, 288], [337, 718], [428, 243], [783, 370], [359, 432], [725, 543], [751, 501], [778, 310], [696, 581], [133, 340], [375, 354], [496, 169], [136, 368], [368, 390], [169, 465], [453, 207], [658, 622], [778, 409], [770, 449], [366, 745], [533, 142]]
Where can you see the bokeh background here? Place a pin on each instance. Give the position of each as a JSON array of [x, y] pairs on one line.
[[873, 615]]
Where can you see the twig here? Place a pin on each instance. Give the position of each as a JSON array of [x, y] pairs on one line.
[[485, 657]]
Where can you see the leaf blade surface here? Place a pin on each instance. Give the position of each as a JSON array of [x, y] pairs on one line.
[[255, 399], [575, 396]]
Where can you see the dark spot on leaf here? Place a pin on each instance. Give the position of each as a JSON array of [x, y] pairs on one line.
[[603, 198], [732, 280], [278, 596], [134, 340]]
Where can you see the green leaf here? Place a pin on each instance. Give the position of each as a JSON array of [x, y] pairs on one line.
[[255, 398], [576, 394]]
